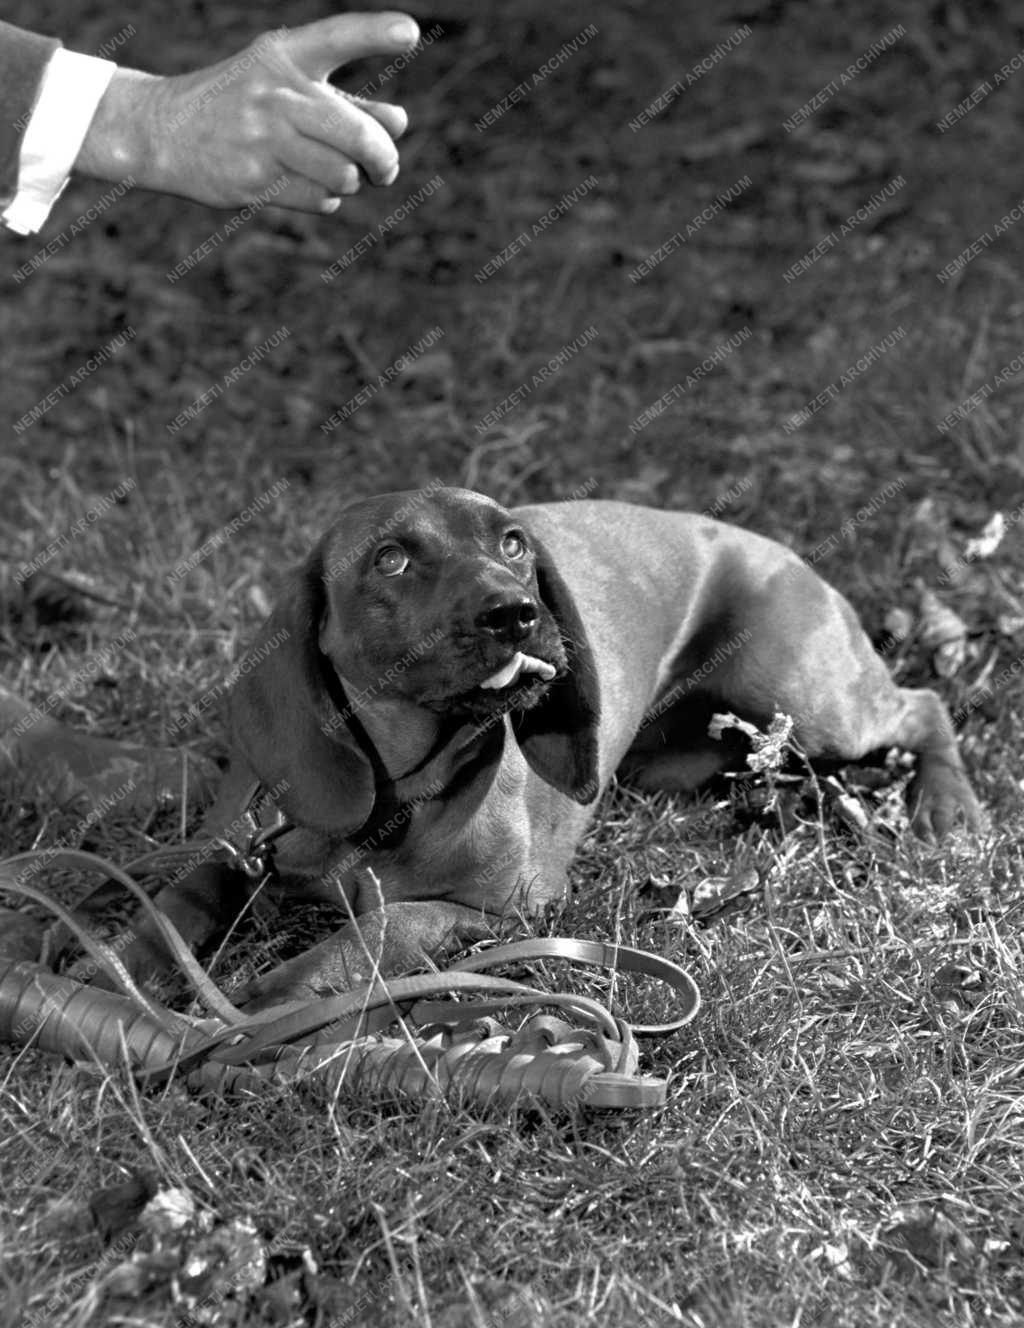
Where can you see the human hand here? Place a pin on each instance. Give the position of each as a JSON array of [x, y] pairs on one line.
[[266, 117]]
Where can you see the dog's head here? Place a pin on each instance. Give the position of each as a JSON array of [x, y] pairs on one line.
[[440, 600]]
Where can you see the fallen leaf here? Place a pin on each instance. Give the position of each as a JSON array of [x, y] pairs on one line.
[[257, 597], [958, 984], [851, 810], [715, 892], [985, 544], [667, 900], [127, 1281], [898, 623], [117, 1207], [727, 720], [168, 1211], [943, 633], [231, 1260]]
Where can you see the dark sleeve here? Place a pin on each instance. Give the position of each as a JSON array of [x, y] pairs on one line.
[[23, 59]]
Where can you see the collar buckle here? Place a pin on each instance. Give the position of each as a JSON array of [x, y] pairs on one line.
[[250, 845]]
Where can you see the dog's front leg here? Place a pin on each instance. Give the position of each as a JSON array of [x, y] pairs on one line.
[[385, 942], [201, 905]]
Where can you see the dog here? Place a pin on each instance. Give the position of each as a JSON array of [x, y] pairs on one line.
[[446, 687]]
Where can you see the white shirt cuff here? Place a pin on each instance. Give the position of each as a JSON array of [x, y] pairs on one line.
[[69, 94]]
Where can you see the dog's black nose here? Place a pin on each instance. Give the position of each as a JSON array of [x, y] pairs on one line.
[[508, 617]]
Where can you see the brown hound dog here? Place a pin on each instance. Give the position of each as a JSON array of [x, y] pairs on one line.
[[447, 686]]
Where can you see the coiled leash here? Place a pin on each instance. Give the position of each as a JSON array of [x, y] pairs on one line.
[[383, 1039]]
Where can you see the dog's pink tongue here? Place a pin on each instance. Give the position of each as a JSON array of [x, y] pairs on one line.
[[519, 663]]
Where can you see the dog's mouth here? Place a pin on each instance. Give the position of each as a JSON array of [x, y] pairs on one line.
[[517, 685], [520, 666]]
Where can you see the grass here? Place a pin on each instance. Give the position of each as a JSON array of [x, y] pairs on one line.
[[843, 1138]]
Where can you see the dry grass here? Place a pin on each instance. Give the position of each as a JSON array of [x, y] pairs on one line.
[[843, 1139]]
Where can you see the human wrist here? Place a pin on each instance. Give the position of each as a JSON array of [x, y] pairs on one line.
[[121, 142]]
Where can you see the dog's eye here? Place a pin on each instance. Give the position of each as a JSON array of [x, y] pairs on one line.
[[391, 561], [513, 545]]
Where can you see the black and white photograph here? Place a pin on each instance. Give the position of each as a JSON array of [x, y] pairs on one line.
[[511, 664]]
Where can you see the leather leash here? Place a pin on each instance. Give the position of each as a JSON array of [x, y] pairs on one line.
[[457, 1046]]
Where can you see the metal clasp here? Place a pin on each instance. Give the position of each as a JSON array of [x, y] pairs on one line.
[[251, 845]]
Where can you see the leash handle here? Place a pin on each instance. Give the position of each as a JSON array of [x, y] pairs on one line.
[[286, 1024], [282, 1024], [600, 954]]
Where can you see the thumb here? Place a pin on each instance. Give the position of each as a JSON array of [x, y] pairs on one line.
[[318, 48]]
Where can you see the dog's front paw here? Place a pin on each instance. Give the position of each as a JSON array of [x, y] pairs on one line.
[[942, 801], [326, 969], [146, 962]]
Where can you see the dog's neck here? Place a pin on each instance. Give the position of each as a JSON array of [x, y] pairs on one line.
[[416, 754], [404, 735]]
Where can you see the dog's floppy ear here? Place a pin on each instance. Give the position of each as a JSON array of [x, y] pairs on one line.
[[285, 722], [558, 736]]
